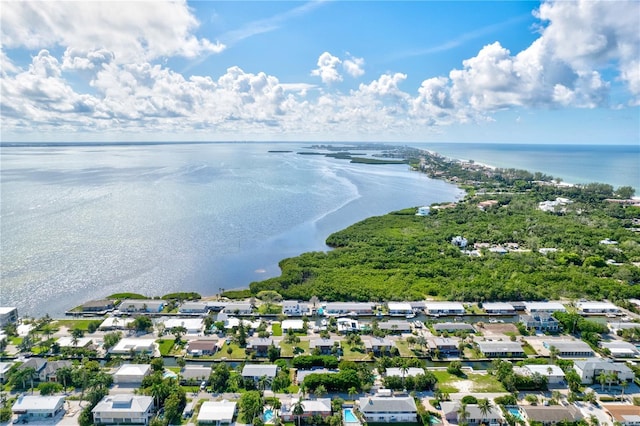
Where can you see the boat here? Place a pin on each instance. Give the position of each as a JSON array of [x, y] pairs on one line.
[[409, 316]]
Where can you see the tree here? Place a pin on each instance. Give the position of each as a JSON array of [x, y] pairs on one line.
[[623, 386], [22, 375], [320, 391], [625, 192], [352, 392], [298, 409], [159, 391], [553, 353], [64, 375], [273, 353], [602, 378], [251, 404], [178, 332], [485, 406], [264, 383], [463, 414], [76, 334], [157, 364]]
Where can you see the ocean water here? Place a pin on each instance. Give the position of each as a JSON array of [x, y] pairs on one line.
[[82, 222], [617, 165]]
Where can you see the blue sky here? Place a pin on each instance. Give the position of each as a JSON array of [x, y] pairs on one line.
[[449, 71]]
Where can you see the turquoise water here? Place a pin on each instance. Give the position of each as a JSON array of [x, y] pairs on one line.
[[349, 417], [515, 413], [268, 415], [434, 420]]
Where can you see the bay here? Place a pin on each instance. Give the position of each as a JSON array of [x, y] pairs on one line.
[[82, 222]]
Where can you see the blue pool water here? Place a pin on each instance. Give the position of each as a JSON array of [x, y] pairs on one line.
[[268, 415], [434, 420], [515, 413], [349, 417]]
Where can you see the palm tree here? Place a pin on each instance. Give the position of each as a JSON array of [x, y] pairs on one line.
[[485, 406], [352, 391], [264, 382], [158, 391], [602, 378], [320, 391], [404, 369], [553, 353], [298, 409], [24, 374], [623, 386], [611, 377], [463, 414]]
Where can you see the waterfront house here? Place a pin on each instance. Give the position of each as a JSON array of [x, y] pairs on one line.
[[8, 315], [446, 346], [597, 308], [548, 307], [423, 211], [238, 308], [36, 409], [115, 323], [541, 322], [98, 306], [348, 308], [131, 374], [347, 325], [411, 372], [311, 407], [444, 308], [620, 349], [194, 374], [141, 305], [395, 326], [498, 349], [569, 348], [552, 414], [123, 409], [38, 365], [385, 409], [452, 327], [400, 308], [194, 308], [217, 412], [259, 345], [590, 369], [193, 326], [133, 345], [323, 345], [295, 308], [553, 373], [502, 308], [200, 347], [493, 417], [459, 241], [624, 415], [256, 371], [70, 342], [50, 370], [378, 345], [292, 324]]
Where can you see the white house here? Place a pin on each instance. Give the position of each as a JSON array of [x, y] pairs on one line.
[[548, 307], [553, 373], [444, 308], [129, 374], [115, 323], [475, 416], [423, 211], [496, 349], [459, 241], [127, 345], [400, 308], [499, 308], [295, 308], [620, 349], [292, 324], [123, 409], [35, 408], [217, 412], [194, 326], [411, 372], [597, 308], [141, 305], [8, 314], [590, 369], [385, 409], [311, 407], [348, 308], [238, 308]]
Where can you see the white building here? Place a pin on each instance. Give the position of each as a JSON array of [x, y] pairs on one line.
[[423, 211], [590, 369], [295, 325], [115, 323], [620, 349], [597, 308], [548, 307], [217, 412], [35, 408], [499, 308], [295, 308], [128, 345], [131, 373], [384, 409], [194, 326], [444, 308], [400, 308], [553, 373], [8, 314], [411, 372], [238, 309], [123, 409]]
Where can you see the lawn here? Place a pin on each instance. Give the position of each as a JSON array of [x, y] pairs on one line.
[[446, 381], [351, 353], [276, 329], [482, 383], [236, 352], [165, 346], [82, 324], [404, 349], [528, 350], [286, 349], [269, 309]]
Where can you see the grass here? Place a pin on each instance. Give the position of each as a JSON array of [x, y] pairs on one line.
[[482, 383], [405, 351], [526, 347], [276, 329], [236, 352], [286, 349], [353, 353], [446, 381], [269, 309], [82, 324], [165, 346]]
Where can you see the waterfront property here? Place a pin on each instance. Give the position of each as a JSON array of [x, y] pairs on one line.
[[192, 326], [540, 322], [194, 308], [311, 407], [8, 315], [123, 409], [502, 308], [444, 308], [128, 345], [217, 412], [498, 349], [474, 415], [400, 308], [591, 307], [348, 308], [131, 374], [141, 305], [447, 346], [115, 323], [548, 307], [238, 308], [590, 369], [98, 306], [551, 415], [194, 374], [624, 415], [553, 373], [620, 349], [387, 409], [569, 348], [323, 346], [452, 327], [256, 371], [395, 326], [295, 308], [200, 347], [399, 372], [259, 345], [292, 324], [378, 345], [34, 408]]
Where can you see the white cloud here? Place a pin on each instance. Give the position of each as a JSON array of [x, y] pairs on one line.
[[354, 66], [327, 64], [131, 30]]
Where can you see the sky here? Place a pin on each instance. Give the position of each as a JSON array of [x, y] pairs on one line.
[[416, 71]]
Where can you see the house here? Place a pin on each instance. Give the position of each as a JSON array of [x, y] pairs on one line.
[[445, 346], [200, 347], [552, 414], [452, 327], [256, 371], [423, 211], [569, 348], [312, 407], [475, 416], [498, 349], [625, 415], [102, 305], [295, 308], [233, 322], [554, 205], [128, 345], [115, 323], [548, 307], [347, 325], [70, 342], [259, 345], [586, 308], [620, 349], [193, 326], [541, 322], [48, 373], [324, 346], [141, 305], [400, 308], [35, 408], [411, 372], [5, 367], [395, 326], [38, 365], [8, 315], [194, 308], [123, 409], [217, 412], [444, 308], [378, 345], [501, 308], [385, 409], [553, 373], [590, 369], [131, 374], [238, 308], [483, 205], [292, 324], [348, 308], [194, 374], [459, 241]]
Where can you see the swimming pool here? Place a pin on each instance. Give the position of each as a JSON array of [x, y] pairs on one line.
[[434, 420], [515, 413], [268, 415], [349, 417]]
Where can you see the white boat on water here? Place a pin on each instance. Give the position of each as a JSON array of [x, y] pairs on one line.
[[409, 316]]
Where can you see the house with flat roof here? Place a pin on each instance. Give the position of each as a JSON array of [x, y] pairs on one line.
[[193, 326], [446, 346], [503, 308], [131, 374], [444, 308], [386, 409], [256, 371], [201, 347], [553, 373], [475, 416], [123, 409], [259, 345], [378, 345], [102, 305], [323, 345], [548, 307], [295, 308], [292, 324], [395, 326], [195, 374], [217, 412], [348, 308], [36, 408], [346, 325], [498, 349], [8, 315], [621, 349], [625, 415], [590, 369], [551, 414], [141, 305], [569, 348], [115, 323], [541, 322], [194, 308], [400, 308], [452, 327], [127, 345], [597, 308], [238, 308], [311, 407]]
